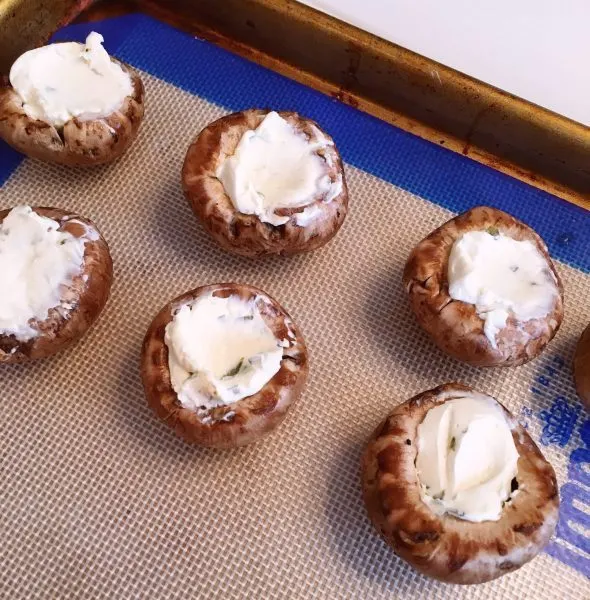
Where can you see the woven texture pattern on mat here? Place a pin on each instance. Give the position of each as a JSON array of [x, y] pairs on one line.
[[100, 500]]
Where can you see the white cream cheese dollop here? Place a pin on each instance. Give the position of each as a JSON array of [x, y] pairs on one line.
[[61, 81], [276, 167], [220, 350], [501, 276], [466, 458], [36, 261]]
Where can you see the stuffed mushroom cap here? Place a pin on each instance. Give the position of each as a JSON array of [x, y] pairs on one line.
[[582, 368], [84, 139], [444, 546], [81, 300], [249, 418], [291, 229], [455, 325]]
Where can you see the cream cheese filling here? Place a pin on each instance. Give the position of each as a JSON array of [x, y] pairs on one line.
[[61, 81], [36, 262], [276, 167], [220, 350], [466, 459], [501, 276]]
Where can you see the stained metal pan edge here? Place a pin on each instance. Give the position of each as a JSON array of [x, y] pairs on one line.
[[417, 94], [408, 90]]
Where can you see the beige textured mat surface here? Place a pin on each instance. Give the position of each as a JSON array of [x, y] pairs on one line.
[[99, 500]]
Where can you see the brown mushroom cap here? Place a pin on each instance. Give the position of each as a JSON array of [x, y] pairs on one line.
[[582, 367], [443, 546], [247, 235], [246, 420], [454, 325], [87, 294], [79, 142]]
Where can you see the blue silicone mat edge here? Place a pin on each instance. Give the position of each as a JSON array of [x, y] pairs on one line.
[[418, 166]]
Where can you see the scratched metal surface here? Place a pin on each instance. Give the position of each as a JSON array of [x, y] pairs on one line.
[[99, 500]]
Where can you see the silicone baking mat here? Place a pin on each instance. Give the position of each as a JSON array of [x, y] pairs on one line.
[[100, 500]]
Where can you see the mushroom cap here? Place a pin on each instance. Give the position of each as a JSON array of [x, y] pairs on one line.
[[246, 420], [443, 546], [582, 367], [88, 294], [244, 234], [80, 142], [455, 326]]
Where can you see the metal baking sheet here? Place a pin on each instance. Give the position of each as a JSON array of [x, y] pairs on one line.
[[100, 500], [497, 43], [406, 89]]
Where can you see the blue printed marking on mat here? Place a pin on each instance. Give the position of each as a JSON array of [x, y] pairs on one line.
[[434, 173], [570, 544]]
